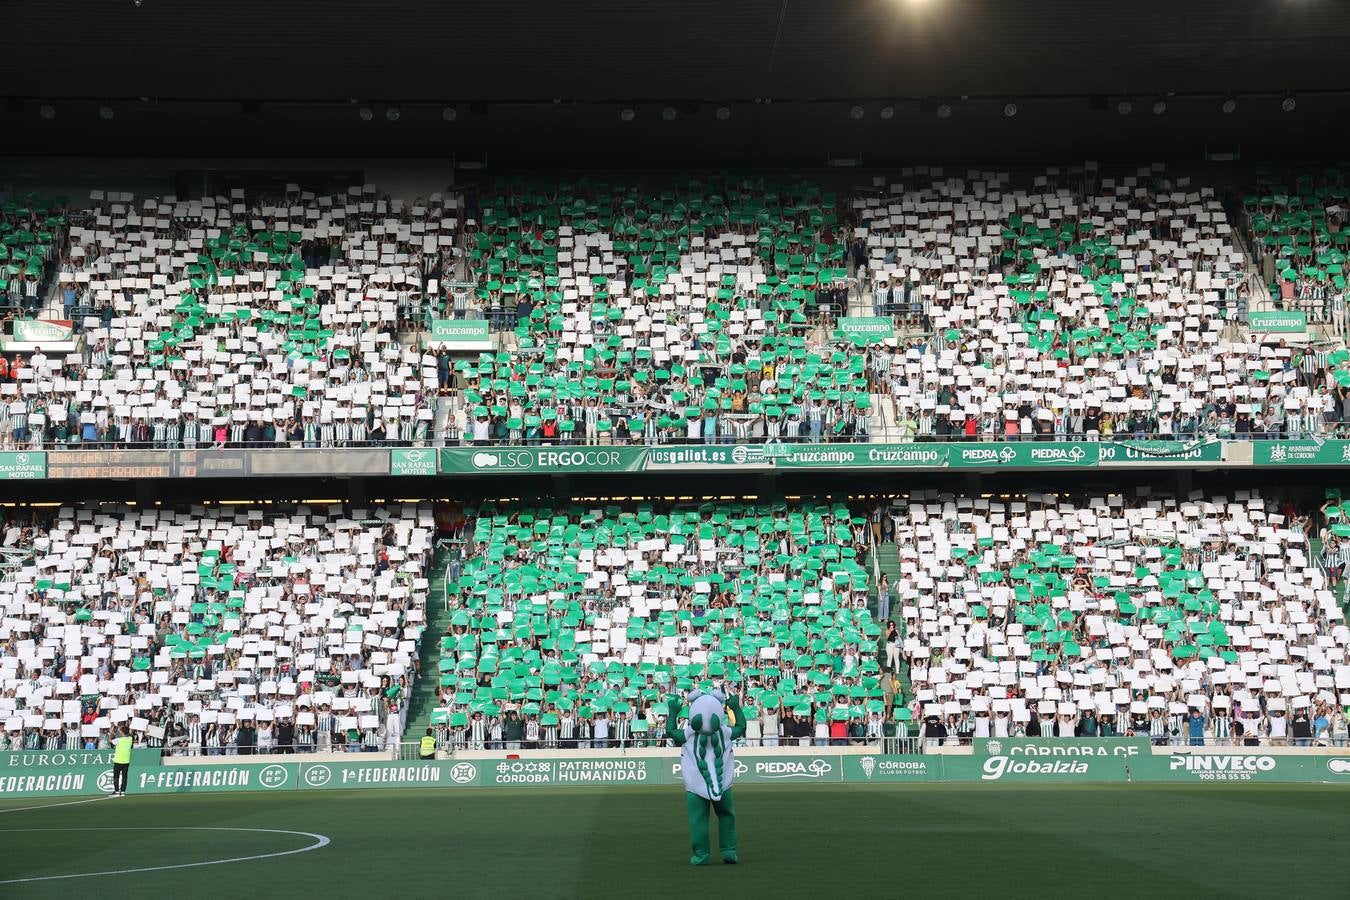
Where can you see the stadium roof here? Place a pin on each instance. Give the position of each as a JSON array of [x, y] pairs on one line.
[[518, 69]]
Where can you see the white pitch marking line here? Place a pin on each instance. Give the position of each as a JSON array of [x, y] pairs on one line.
[[320, 841], [52, 805]]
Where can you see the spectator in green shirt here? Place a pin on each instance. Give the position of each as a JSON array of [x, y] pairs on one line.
[[513, 731]]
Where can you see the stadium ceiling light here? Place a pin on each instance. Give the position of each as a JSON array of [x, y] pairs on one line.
[[1010, 109], [1125, 107], [392, 114], [1159, 107], [723, 113], [365, 113], [106, 112], [628, 114], [1289, 103], [944, 111], [887, 112], [449, 113], [857, 112], [47, 111], [1229, 105]]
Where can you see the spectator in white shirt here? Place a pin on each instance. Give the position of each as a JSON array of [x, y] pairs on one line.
[[600, 735], [1279, 729]]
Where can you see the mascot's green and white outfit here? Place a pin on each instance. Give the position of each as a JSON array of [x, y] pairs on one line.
[[708, 765]]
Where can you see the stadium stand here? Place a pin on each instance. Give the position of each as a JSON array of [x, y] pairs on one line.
[[1025, 614], [32, 231], [1095, 308], [219, 320], [707, 312], [661, 317], [1298, 239], [211, 628], [224, 630], [580, 614], [1079, 612]]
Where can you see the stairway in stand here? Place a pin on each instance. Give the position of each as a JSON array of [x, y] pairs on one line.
[[887, 556], [888, 563], [1315, 552], [423, 701]]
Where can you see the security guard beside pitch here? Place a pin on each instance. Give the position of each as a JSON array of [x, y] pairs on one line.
[[121, 761], [428, 745]]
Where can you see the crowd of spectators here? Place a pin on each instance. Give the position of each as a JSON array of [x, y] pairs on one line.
[[1095, 308], [214, 321], [32, 233], [1202, 618], [1298, 239], [211, 629], [581, 621], [1060, 615], [1064, 306]]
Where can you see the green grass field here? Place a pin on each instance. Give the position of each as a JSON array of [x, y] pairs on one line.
[[808, 841]]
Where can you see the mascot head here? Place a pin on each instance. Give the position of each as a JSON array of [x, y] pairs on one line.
[[706, 715]]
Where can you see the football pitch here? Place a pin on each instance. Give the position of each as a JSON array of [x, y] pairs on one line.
[[802, 841]]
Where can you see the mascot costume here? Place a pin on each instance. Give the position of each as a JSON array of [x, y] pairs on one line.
[[708, 765]]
